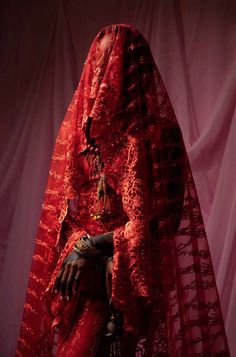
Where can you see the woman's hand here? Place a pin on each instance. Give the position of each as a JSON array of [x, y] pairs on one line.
[[70, 274], [109, 266]]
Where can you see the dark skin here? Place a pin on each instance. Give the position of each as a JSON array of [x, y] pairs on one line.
[[108, 276], [73, 269]]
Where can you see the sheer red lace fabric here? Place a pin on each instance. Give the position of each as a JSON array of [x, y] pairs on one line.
[[163, 279]]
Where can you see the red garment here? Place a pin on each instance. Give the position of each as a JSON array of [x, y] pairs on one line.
[[163, 279]]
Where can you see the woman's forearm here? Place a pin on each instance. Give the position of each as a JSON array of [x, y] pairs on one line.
[[96, 246], [104, 243]]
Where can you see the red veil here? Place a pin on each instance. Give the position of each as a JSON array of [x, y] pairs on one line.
[[163, 279]]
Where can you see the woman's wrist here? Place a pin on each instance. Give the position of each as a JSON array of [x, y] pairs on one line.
[[96, 246], [104, 242]]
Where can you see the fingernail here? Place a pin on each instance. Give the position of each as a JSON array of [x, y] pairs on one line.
[[55, 291], [61, 297], [67, 298]]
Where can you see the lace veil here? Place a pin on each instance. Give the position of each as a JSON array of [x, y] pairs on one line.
[[163, 278]]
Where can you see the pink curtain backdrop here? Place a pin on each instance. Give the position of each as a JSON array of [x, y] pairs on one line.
[[42, 48]]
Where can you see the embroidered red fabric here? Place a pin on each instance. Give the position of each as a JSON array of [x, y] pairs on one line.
[[163, 279]]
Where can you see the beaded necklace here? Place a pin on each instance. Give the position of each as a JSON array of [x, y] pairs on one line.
[[92, 153]]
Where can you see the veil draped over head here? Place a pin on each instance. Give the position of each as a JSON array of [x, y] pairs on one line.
[[163, 279]]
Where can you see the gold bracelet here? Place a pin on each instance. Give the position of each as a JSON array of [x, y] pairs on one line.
[[86, 248]]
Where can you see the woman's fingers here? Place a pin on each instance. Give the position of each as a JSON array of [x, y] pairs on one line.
[[64, 280], [77, 278], [69, 276], [57, 284], [70, 280]]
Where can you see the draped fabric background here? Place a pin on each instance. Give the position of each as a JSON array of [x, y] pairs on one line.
[[42, 49]]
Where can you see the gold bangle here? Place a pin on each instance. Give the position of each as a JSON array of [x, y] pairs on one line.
[[86, 248]]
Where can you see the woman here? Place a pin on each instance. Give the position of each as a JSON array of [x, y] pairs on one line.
[[121, 204]]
